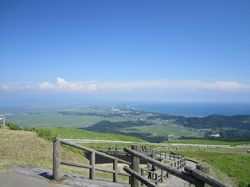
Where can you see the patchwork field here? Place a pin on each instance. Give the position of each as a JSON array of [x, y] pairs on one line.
[[170, 130]]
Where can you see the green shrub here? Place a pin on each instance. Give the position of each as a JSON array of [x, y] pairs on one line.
[[13, 126], [44, 133]]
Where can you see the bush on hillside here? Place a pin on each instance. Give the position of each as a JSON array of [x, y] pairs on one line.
[[13, 126], [44, 133]]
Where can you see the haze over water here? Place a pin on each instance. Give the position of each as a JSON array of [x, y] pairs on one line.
[[195, 109]]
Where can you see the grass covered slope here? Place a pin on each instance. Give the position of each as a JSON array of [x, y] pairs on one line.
[[74, 133], [235, 166], [19, 147]]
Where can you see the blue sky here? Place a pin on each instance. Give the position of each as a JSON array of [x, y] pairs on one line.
[[179, 50]]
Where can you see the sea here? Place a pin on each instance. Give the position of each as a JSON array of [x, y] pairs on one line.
[[194, 109]]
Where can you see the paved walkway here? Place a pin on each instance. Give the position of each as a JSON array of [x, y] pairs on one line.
[[35, 177], [177, 182], [20, 180]]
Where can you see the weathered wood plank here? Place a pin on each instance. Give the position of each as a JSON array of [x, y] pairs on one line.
[[68, 163], [92, 163], [135, 162], [115, 169], [112, 171], [204, 177], [139, 177], [56, 159], [91, 150]]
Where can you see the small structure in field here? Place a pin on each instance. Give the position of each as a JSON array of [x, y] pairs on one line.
[[2, 121]]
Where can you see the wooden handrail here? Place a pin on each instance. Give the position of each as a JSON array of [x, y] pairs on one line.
[[92, 150], [191, 175], [68, 163], [204, 177], [165, 167], [139, 177], [57, 161]]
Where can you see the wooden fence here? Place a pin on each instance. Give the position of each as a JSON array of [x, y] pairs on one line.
[[190, 175], [176, 160], [135, 172], [91, 166]]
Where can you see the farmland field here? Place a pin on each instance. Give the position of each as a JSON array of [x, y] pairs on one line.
[[170, 130], [51, 119]]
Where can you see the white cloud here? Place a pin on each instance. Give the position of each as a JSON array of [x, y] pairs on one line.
[[9, 87], [62, 84], [142, 85], [45, 86]]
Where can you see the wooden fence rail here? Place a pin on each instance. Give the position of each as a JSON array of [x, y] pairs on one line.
[[135, 172], [91, 166], [193, 176], [203, 177], [165, 167], [139, 177]]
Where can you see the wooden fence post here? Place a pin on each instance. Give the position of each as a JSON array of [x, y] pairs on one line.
[[56, 159], [142, 174], [162, 175], [204, 169], [115, 169], [92, 163], [135, 166]]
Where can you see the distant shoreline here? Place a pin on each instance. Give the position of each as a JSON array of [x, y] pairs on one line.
[[194, 109]]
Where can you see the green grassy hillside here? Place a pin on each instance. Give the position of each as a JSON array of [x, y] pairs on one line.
[[18, 147], [235, 166], [74, 133]]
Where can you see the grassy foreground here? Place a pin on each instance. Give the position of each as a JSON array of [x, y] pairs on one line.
[[235, 166], [74, 133], [18, 147], [26, 148]]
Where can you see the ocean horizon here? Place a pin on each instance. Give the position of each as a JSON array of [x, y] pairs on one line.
[[194, 109]]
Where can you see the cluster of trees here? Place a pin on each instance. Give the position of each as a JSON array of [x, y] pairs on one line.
[[234, 128], [116, 127], [216, 121]]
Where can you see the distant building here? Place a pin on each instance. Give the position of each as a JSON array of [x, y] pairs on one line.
[[217, 135]]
